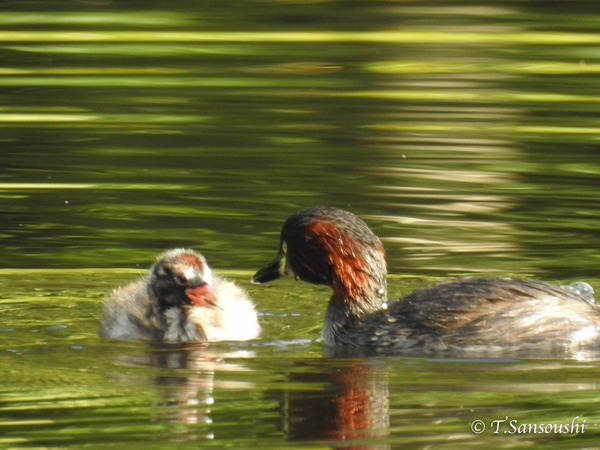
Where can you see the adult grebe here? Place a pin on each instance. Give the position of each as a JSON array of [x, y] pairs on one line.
[[466, 316]]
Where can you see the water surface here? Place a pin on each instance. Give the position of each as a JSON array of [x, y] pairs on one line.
[[465, 135]]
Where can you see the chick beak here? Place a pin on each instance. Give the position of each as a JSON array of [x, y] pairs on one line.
[[202, 296], [271, 271]]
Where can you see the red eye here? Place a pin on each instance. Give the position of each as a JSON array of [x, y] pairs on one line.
[[180, 280]]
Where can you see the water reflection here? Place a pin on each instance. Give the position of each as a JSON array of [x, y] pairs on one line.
[[185, 391], [345, 404], [443, 204]]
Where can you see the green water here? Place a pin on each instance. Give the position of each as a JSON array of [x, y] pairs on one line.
[[465, 135]]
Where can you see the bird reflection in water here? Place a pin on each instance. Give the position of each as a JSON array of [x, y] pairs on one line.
[[345, 404], [185, 391]]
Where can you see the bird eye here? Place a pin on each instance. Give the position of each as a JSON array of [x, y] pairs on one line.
[[180, 280]]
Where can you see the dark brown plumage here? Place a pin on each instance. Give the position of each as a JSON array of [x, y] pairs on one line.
[[467, 316]]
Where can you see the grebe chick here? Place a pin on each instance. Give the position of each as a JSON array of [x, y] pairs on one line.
[[179, 300], [467, 316]]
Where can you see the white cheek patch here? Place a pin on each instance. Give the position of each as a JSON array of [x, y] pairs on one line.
[[207, 275], [189, 273]]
